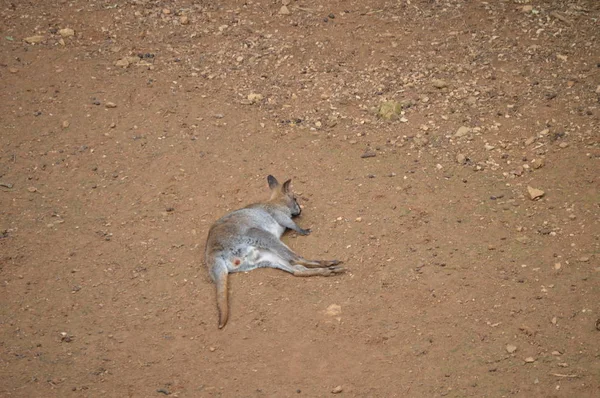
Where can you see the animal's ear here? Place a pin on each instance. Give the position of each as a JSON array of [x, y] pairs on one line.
[[285, 188], [273, 183]]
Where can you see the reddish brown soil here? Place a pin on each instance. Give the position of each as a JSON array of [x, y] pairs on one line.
[[105, 210]]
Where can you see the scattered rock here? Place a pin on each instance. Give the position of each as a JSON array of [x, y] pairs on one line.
[[254, 98], [32, 189], [34, 39], [110, 105], [538, 163], [284, 10], [184, 20], [65, 124], [126, 61], [333, 310], [518, 171], [368, 154], [13, 70], [563, 144], [389, 110], [529, 360], [286, 2], [489, 147], [337, 390], [511, 348], [65, 337], [527, 8], [66, 32], [462, 131], [123, 63], [535, 193], [439, 83], [583, 259], [420, 140], [461, 159], [529, 141], [598, 89]]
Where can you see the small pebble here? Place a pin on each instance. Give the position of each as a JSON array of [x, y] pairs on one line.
[[34, 39], [368, 154], [439, 83], [337, 390], [66, 32], [462, 130], [535, 193], [538, 163]]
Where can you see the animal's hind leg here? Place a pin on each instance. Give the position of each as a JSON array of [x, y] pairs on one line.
[[271, 260], [266, 241], [316, 263]]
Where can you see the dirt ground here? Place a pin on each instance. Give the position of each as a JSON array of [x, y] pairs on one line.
[[128, 127]]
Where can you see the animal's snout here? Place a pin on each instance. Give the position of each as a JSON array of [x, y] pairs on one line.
[[297, 211]]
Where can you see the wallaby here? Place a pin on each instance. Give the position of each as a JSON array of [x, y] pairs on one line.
[[249, 238]]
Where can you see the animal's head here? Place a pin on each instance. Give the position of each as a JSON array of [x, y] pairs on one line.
[[281, 193]]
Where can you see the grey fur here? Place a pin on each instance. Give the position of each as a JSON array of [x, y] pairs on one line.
[[249, 238]]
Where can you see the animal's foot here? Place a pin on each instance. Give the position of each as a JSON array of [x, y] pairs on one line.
[[304, 232], [335, 270]]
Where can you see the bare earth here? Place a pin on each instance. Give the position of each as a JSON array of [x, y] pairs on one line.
[[124, 139]]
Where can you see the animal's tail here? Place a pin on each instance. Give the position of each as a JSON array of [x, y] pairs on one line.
[[218, 272]]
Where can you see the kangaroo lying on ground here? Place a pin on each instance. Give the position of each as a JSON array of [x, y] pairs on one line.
[[248, 238]]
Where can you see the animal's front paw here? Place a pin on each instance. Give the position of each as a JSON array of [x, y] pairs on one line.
[[304, 232]]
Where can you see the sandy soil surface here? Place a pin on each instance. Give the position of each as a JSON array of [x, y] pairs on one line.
[[447, 151]]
